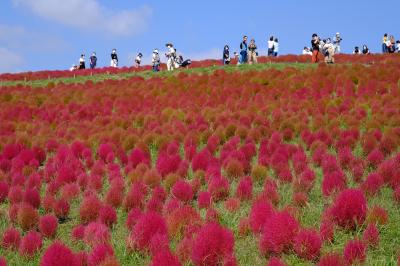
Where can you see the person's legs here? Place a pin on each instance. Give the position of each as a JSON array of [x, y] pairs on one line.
[[314, 58], [255, 58]]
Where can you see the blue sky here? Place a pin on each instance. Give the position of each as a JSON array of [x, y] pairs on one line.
[[51, 34]]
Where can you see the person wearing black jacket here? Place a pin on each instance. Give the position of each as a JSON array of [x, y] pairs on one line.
[[114, 58], [315, 42], [226, 58]]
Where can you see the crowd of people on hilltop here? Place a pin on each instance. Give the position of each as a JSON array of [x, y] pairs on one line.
[[248, 52]]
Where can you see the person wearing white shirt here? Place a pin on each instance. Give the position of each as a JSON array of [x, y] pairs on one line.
[[336, 41], [271, 46], [171, 55], [398, 46], [155, 60]]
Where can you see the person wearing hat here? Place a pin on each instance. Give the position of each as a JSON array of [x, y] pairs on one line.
[[114, 58], [336, 41], [82, 62], [171, 56], [93, 61], [138, 60], [155, 60]]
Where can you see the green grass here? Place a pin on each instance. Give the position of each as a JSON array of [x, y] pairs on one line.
[[150, 74]]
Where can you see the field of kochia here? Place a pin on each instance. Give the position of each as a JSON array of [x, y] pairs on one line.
[[278, 163]]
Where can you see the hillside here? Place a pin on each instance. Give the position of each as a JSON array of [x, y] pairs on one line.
[[211, 165]]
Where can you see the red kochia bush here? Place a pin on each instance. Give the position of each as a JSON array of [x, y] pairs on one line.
[[11, 239], [165, 258], [30, 244], [371, 235], [100, 255], [350, 208], [182, 191], [48, 225], [354, 252], [108, 215], [27, 217], [212, 245], [278, 233], [307, 244], [331, 260], [148, 225], [259, 213], [204, 200], [89, 209], [219, 188], [58, 254], [96, 233], [244, 190]]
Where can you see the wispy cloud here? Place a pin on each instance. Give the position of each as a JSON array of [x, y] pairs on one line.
[[89, 15], [20, 38], [10, 61]]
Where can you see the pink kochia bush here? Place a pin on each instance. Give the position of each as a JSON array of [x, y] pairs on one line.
[[350, 208], [259, 213], [213, 245], [165, 258], [148, 225], [58, 254], [354, 252], [307, 244], [48, 225], [31, 243], [278, 234], [182, 191], [11, 239]]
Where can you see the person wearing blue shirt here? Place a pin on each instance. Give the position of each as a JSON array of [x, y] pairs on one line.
[[243, 51]]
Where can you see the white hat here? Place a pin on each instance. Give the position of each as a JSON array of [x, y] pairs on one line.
[[337, 33], [155, 51]]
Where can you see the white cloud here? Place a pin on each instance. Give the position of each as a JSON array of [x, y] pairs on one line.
[[89, 15], [10, 61], [20, 38]]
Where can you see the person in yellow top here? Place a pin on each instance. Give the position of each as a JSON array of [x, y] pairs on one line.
[[384, 45]]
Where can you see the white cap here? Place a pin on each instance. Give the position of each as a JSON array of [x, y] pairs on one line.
[[155, 51], [337, 33]]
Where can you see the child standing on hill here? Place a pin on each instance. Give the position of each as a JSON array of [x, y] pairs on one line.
[[252, 52]]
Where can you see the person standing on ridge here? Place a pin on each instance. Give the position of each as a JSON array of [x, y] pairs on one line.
[[138, 60], [271, 46], [171, 57], [226, 58], [276, 47], [155, 60], [365, 49], [252, 52], [336, 41], [315, 42], [243, 51], [82, 64], [93, 61], [384, 43], [114, 58]]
